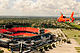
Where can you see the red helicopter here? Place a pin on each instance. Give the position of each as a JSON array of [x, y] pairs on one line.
[[65, 19]]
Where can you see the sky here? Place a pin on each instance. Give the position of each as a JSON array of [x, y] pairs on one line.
[[39, 7]]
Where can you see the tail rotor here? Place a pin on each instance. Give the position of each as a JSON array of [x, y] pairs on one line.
[[72, 19]]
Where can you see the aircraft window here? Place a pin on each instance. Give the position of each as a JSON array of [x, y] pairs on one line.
[[64, 16]]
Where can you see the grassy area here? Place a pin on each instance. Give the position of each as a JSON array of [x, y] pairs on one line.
[[76, 26], [78, 49], [72, 33]]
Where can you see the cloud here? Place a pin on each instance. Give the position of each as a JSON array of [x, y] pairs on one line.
[[38, 7]]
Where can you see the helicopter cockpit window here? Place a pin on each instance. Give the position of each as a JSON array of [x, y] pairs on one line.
[[64, 16]]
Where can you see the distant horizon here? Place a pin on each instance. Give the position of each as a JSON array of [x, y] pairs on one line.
[[36, 16]]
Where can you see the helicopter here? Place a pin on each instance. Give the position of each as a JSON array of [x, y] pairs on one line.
[[65, 19]]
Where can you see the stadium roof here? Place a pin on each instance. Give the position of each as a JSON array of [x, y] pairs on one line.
[[3, 30], [15, 29], [23, 34]]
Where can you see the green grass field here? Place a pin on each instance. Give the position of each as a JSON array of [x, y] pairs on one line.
[[75, 26], [72, 34]]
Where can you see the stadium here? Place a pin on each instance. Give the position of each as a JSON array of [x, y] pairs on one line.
[[26, 39]]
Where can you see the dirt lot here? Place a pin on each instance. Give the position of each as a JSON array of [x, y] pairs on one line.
[[65, 48]]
